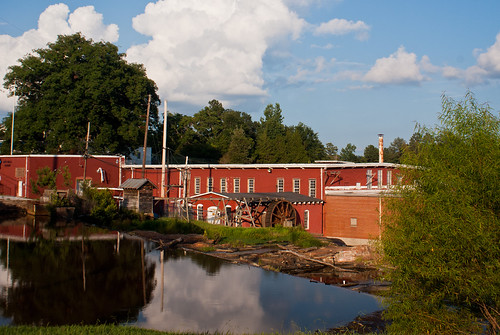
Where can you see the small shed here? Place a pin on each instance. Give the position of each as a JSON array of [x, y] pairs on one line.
[[138, 195]]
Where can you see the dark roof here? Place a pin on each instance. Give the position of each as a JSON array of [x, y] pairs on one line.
[[292, 197], [136, 183]]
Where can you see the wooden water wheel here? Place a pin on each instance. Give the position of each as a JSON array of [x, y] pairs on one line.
[[281, 213]]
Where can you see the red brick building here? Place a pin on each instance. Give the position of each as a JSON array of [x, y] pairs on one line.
[[348, 194]]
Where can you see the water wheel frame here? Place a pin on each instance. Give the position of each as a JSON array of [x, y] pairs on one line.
[[281, 213]]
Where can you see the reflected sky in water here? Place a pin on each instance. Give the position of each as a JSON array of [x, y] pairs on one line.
[[243, 299]]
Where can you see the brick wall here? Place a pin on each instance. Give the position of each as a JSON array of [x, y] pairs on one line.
[[354, 217]]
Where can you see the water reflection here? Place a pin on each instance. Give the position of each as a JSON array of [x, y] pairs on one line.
[[242, 299], [102, 277], [85, 278]]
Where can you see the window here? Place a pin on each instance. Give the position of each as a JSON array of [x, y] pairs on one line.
[[306, 219], [354, 222], [199, 212], [236, 185], [280, 185], [251, 185], [210, 184], [296, 185], [312, 188], [369, 178], [197, 185], [389, 177], [380, 178], [223, 185]]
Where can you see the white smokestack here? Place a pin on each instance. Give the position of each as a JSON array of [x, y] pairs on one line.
[[380, 148]]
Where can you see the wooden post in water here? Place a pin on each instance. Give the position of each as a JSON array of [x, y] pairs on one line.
[[162, 281]]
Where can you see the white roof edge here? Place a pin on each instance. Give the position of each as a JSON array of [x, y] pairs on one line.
[[266, 166]]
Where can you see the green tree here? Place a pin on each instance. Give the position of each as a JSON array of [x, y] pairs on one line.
[[70, 83], [395, 150], [332, 151], [314, 148], [271, 145], [240, 148], [442, 236], [370, 154], [347, 153]]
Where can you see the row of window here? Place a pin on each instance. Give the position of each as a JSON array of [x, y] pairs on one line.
[[280, 185]]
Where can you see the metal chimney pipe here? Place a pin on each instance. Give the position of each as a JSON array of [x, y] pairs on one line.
[[380, 148]]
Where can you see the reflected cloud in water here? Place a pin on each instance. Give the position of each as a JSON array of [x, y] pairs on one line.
[[242, 299]]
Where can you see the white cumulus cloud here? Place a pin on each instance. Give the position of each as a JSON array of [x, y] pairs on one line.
[[490, 60], [486, 68], [343, 27], [201, 50], [399, 68], [55, 20]]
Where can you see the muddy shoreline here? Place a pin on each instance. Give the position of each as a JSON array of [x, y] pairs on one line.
[[332, 264]]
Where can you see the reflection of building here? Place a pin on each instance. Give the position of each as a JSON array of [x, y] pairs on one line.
[[347, 195]]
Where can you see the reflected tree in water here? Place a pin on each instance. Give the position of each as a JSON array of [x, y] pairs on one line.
[[89, 282]]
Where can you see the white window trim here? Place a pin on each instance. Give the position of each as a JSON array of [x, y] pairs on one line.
[[296, 185], [312, 186], [197, 185], [223, 185], [210, 184], [280, 185], [236, 182], [251, 188]]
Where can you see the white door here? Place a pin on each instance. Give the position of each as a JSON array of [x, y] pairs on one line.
[[19, 188]]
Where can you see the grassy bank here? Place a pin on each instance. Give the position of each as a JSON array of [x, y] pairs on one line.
[[74, 330], [235, 236]]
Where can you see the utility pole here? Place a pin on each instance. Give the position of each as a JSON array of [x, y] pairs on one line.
[[164, 150], [85, 156], [12, 133], [145, 139]]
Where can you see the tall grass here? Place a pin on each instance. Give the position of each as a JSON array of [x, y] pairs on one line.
[[238, 236], [235, 236]]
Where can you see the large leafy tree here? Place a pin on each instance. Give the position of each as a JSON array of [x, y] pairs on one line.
[[70, 83], [442, 235]]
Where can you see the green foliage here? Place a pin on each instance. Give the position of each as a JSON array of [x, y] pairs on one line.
[[240, 148], [370, 155], [347, 153], [46, 179], [101, 205], [443, 232], [78, 330], [219, 135], [393, 153], [70, 83], [331, 151], [239, 236]]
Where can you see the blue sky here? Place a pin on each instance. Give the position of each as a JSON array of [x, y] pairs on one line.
[[349, 69]]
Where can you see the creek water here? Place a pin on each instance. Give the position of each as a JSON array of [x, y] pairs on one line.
[[82, 275]]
